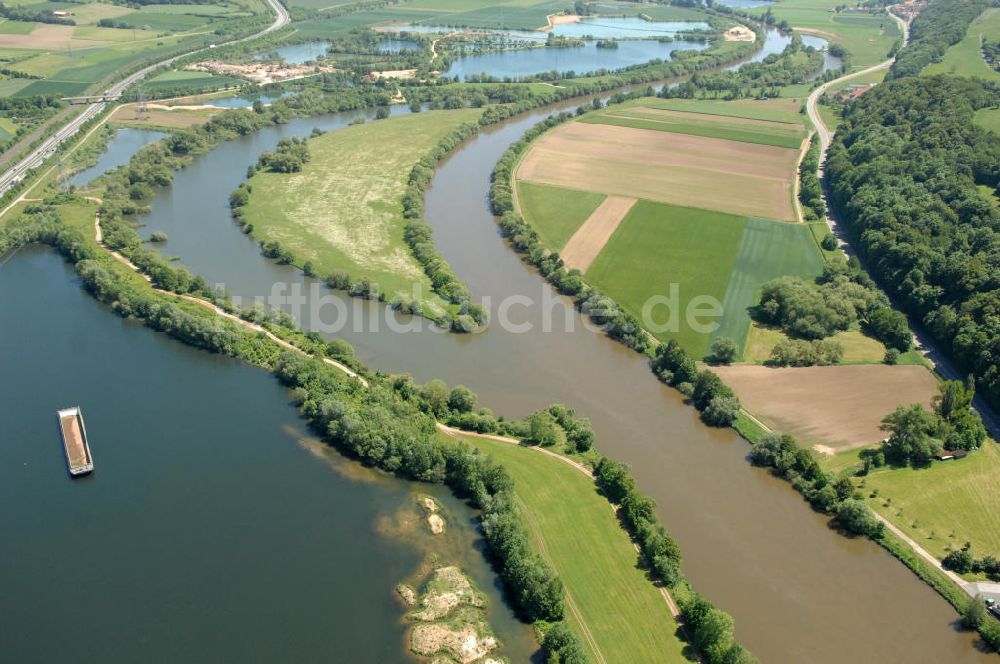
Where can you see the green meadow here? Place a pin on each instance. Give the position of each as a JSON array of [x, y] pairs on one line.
[[941, 506], [867, 37], [723, 256], [555, 212], [989, 118], [966, 58], [344, 212], [689, 123], [612, 605]]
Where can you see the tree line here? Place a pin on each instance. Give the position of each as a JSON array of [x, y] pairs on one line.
[[905, 171]]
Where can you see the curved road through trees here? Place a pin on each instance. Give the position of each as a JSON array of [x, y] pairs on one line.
[[18, 171], [924, 343]]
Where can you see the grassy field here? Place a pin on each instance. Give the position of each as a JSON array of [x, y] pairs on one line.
[[867, 38], [555, 212], [989, 118], [858, 349], [941, 506], [705, 253], [575, 529], [965, 58], [189, 80], [699, 118], [766, 250], [775, 110], [344, 210]]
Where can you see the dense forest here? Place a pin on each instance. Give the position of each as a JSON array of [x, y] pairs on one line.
[[915, 181]]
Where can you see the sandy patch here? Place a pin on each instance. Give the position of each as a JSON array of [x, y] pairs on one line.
[[462, 642], [740, 33], [838, 407], [559, 19], [696, 171], [581, 249], [393, 73], [261, 73], [48, 36], [446, 590]]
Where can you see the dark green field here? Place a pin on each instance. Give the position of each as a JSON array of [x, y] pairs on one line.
[[723, 256]]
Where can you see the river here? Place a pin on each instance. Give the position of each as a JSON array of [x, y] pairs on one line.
[[798, 591], [207, 532]]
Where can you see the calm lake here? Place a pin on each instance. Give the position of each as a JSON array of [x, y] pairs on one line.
[[207, 531]]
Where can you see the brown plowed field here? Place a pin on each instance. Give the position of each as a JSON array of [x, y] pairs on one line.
[[695, 171], [836, 406], [589, 239]]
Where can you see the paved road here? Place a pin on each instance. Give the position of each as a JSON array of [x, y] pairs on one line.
[[923, 341], [48, 148]]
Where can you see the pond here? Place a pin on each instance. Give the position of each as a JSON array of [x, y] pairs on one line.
[[298, 54], [122, 146], [212, 528], [526, 62], [395, 45]]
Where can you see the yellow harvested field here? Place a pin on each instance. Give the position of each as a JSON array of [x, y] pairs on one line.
[[47, 36], [583, 247], [694, 171], [837, 406]]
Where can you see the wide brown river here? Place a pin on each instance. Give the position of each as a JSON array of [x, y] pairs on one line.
[[799, 591]]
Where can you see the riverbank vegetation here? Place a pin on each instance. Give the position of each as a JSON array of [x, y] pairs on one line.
[[344, 217]]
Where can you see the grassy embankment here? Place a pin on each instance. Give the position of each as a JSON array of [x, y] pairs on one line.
[[342, 212], [966, 58], [705, 252], [613, 604], [942, 506]]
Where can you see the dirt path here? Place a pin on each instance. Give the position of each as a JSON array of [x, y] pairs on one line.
[[588, 240], [99, 237], [798, 178]]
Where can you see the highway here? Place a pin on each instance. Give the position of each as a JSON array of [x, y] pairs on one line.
[[49, 146]]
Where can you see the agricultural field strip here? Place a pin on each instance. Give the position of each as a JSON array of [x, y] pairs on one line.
[[588, 241], [738, 177], [746, 130], [766, 251]]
